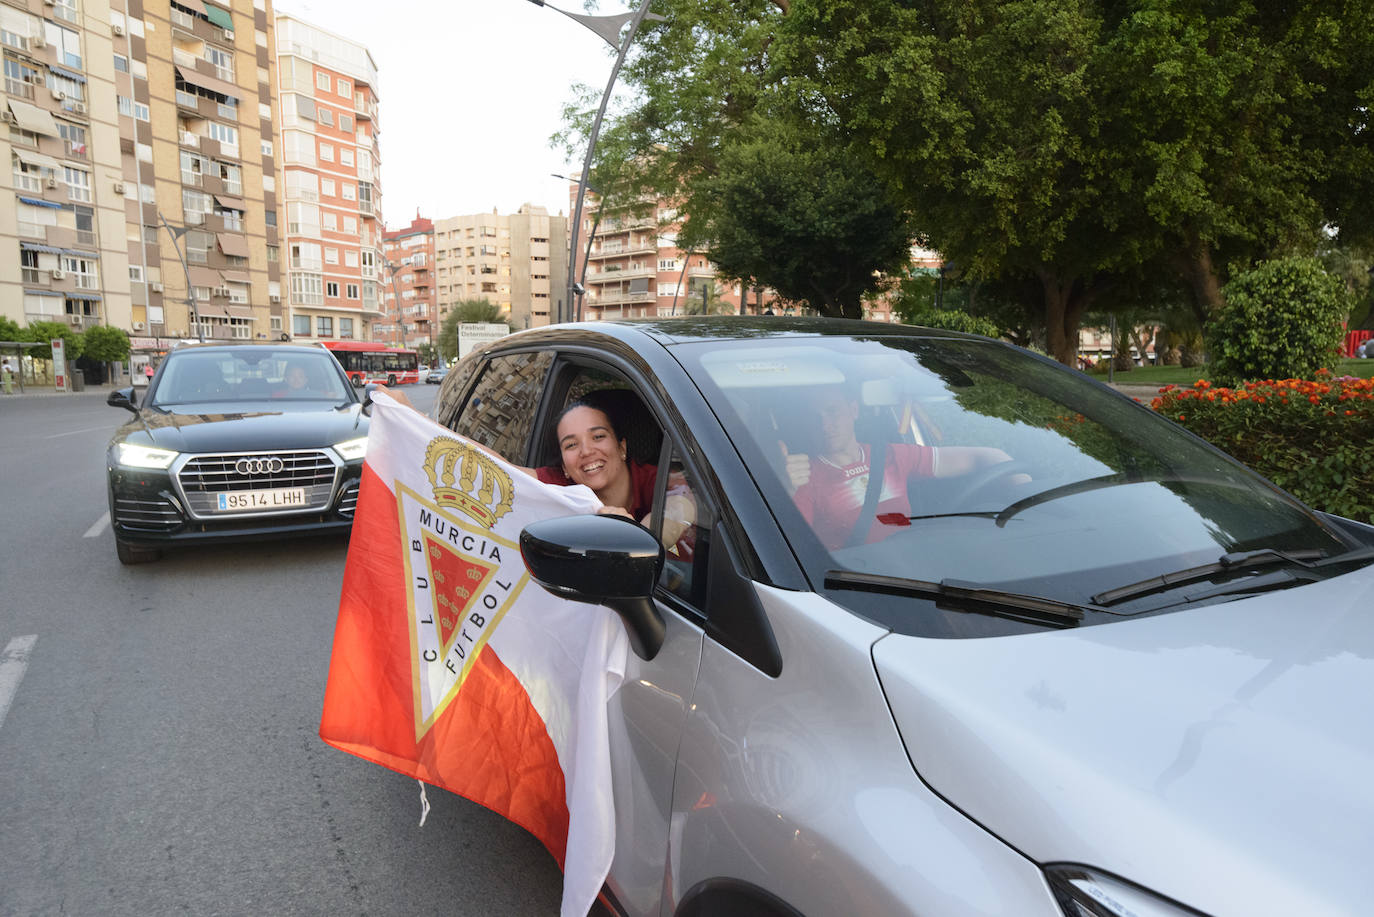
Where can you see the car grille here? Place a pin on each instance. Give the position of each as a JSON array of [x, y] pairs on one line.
[[204, 476], [348, 499], [150, 515]]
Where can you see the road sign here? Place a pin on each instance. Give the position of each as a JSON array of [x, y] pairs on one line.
[[475, 334]]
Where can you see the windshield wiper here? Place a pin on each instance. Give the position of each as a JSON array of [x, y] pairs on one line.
[[967, 596], [1234, 563], [1353, 556]]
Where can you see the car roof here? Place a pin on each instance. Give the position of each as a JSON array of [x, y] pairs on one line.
[[239, 345], [695, 329]]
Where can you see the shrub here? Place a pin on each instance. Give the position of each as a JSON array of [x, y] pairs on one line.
[[954, 320], [1312, 438], [1282, 319]]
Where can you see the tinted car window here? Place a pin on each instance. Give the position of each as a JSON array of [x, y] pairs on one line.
[[500, 411], [1097, 494], [249, 374]]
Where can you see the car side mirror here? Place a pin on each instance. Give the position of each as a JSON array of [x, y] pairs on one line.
[[123, 398], [367, 397], [601, 560]]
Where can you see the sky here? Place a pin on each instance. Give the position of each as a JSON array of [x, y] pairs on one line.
[[470, 92]]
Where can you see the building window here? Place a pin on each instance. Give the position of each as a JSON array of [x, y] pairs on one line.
[[66, 41], [305, 255], [226, 136], [121, 63], [345, 88], [273, 254], [325, 117], [327, 152], [346, 328], [307, 289], [324, 326], [352, 291], [85, 271], [331, 288], [28, 265], [78, 184], [331, 256], [271, 217], [196, 204], [350, 225], [300, 324], [346, 156], [345, 122], [193, 168], [232, 176], [198, 245], [322, 80]]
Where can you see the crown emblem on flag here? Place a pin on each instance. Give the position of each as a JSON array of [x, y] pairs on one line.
[[468, 480]]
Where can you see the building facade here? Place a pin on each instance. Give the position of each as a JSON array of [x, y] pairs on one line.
[[330, 161], [635, 269], [517, 262], [408, 293], [142, 181]]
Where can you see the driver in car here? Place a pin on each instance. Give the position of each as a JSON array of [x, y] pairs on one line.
[[830, 488]]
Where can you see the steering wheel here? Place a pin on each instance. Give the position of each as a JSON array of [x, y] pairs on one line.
[[983, 478]]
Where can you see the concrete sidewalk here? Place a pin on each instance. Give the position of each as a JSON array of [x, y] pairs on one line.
[[47, 391]]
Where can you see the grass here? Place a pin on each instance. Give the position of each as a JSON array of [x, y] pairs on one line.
[[1187, 375]]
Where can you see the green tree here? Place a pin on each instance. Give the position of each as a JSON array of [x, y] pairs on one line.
[[800, 217], [462, 312], [105, 344], [44, 332], [1072, 143], [9, 329]]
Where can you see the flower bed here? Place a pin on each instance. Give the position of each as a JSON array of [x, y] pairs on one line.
[[1314, 438]]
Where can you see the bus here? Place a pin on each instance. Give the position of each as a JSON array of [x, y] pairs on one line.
[[368, 362]]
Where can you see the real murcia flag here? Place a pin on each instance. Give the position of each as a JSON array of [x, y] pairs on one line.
[[450, 665]]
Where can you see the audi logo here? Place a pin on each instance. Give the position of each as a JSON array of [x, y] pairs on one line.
[[264, 464]]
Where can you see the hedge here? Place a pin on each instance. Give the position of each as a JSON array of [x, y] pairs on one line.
[[1314, 438]]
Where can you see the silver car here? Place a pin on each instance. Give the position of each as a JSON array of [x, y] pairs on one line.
[[957, 631]]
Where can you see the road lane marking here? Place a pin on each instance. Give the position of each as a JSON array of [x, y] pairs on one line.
[[13, 662], [99, 527], [74, 432]]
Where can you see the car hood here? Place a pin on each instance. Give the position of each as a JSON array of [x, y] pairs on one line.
[[1221, 756], [242, 427]]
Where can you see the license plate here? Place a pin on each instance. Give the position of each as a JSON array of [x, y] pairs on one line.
[[276, 498]]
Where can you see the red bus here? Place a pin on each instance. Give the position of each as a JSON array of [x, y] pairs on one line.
[[367, 362]]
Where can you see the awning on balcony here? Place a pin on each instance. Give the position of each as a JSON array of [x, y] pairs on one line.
[[194, 6], [32, 118], [231, 203], [205, 81], [72, 75], [235, 276], [219, 17], [204, 276], [35, 202], [234, 245], [239, 311], [88, 297], [35, 247], [36, 159]]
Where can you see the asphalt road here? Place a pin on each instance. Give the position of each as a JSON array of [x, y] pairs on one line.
[[159, 724]]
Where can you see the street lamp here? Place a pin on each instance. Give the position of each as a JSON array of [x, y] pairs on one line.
[[176, 232], [608, 28]]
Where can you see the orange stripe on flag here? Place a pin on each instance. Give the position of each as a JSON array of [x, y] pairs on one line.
[[490, 745]]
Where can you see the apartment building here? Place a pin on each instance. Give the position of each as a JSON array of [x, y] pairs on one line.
[[330, 161], [140, 141], [408, 292], [516, 261], [635, 269]]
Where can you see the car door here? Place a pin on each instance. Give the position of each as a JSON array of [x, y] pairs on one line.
[[512, 406]]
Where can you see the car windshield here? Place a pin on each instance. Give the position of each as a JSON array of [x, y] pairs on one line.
[[249, 374], [999, 470]]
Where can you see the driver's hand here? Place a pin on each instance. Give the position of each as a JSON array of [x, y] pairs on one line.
[[798, 467]]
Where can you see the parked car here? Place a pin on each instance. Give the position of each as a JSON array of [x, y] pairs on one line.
[[436, 375], [1115, 673], [235, 442]]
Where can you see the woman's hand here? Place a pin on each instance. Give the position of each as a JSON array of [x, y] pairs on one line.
[[615, 511]]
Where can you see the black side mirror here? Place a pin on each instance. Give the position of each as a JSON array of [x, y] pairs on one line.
[[602, 560], [367, 397], [123, 398]]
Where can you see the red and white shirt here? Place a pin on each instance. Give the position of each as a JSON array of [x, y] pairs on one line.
[[832, 499]]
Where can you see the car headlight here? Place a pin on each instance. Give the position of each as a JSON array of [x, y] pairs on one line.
[[144, 456], [351, 449], [1083, 892]]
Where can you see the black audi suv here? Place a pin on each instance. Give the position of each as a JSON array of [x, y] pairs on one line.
[[235, 442]]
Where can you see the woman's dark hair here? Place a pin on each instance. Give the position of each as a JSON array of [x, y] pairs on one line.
[[587, 401]]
